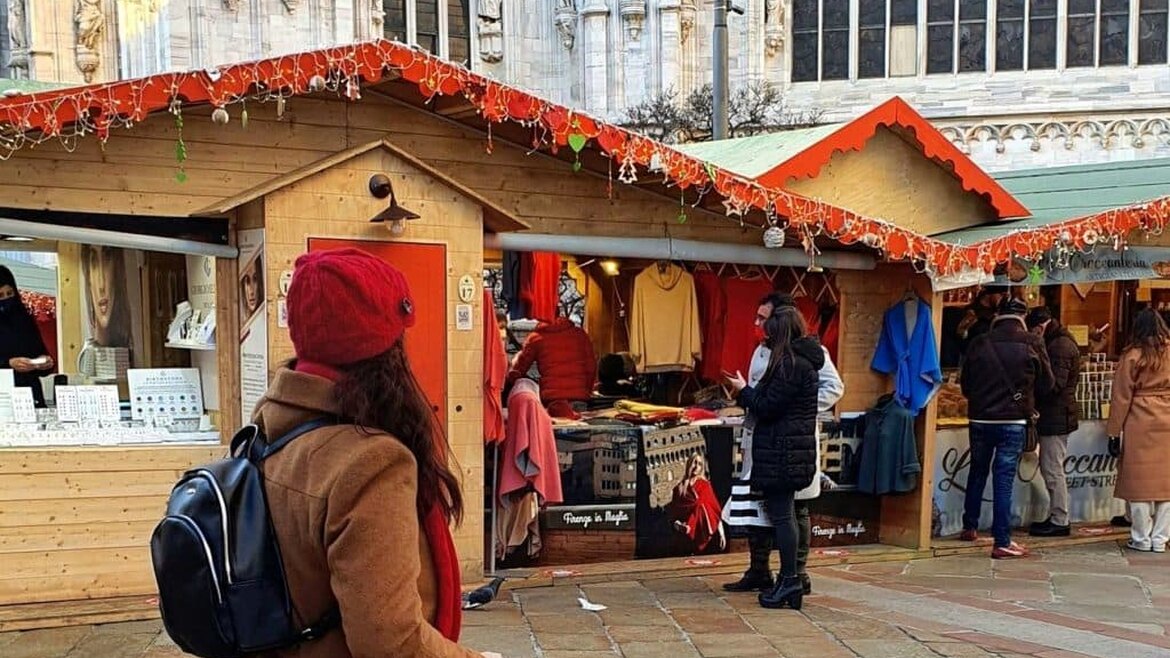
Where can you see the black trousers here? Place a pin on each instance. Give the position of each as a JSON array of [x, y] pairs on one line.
[[761, 542], [781, 511]]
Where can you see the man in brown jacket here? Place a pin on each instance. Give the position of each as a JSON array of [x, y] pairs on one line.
[[1059, 417]]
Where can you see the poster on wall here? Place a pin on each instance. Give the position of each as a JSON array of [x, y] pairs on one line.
[[110, 300], [684, 477], [1091, 473], [253, 321]]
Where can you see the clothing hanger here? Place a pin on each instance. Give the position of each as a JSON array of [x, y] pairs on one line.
[[722, 267], [910, 295], [752, 273], [702, 266], [663, 265]]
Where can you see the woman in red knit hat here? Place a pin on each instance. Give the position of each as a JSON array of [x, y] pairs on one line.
[[361, 508]]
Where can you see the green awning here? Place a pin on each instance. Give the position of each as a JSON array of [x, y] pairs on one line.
[[752, 157], [1058, 194]]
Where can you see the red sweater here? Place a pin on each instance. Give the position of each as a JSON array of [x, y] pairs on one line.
[[564, 356]]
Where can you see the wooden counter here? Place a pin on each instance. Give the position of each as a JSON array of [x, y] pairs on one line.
[[75, 522]]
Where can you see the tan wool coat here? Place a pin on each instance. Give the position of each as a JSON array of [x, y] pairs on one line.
[[342, 504], [1140, 414]]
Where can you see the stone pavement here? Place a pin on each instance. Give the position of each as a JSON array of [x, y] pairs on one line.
[[1096, 600]]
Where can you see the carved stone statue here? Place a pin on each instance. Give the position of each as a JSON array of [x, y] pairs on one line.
[[686, 19], [774, 26], [90, 21], [231, 5], [489, 20], [18, 38], [633, 13], [565, 18], [377, 15]]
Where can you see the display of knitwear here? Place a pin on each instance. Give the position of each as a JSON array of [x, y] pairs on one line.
[[712, 306], [540, 276], [495, 368], [739, 334], [664, 320], [510, 284], [528, 456]]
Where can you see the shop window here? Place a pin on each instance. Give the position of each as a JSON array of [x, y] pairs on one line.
[[459, 31], [805, 22], [394, 22], [426, 19], [940, 26], [871, 50], [1153, 25], [1114, 36], [835, 41], [972, 35], [1041, 34], [1009, 35]]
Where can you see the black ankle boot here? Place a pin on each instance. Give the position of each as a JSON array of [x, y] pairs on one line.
[[752, 581], [788, 593], [806, 584]]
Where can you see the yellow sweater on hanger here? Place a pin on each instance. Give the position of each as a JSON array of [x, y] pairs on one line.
[[664, 321]]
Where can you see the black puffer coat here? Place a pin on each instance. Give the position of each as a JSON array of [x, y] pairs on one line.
[[784, 404], [1059, 411]]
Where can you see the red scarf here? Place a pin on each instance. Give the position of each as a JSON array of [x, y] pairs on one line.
[[449, 606]]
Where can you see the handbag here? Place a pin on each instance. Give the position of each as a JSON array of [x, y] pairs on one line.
[[1031, 436]]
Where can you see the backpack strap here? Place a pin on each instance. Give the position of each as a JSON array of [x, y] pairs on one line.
[[304, 428], [326, 623]]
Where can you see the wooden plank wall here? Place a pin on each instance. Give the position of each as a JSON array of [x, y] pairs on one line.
[[75, 523], [336, 203], [865, 297]]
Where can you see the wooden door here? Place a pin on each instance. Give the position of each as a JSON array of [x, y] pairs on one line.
[[425, 268]]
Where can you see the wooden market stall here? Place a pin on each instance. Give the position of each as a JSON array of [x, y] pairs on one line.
[[294, 153], [1088, 288]]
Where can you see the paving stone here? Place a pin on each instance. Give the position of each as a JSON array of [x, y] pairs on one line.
[[742, 645], [112, 644], [659, 650], [822, 647], [682, 600], [507, 614], [573, 642], [1003, 589], [640, 634], [709, 622], [952, 566], [506, 641], [888, 649], [47, 643], [635, 617], [1118, 590], [573, 623], [956, 649], [578, 654], [676, 585], [165, 652]]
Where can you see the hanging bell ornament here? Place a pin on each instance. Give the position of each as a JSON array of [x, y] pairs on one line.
[[220, 116], [870, 240], [244, 118], [316, 83], [774, 237], [1066, 237]]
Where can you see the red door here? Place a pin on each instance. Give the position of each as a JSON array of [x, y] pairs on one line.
[[425, 267]]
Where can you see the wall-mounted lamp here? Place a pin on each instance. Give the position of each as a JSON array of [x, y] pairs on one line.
[[610, 267], [394, 216]]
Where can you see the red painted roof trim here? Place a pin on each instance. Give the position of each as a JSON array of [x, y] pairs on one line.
[[896, 112]]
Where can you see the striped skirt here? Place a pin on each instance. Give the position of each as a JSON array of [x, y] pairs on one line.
[[745, 509]]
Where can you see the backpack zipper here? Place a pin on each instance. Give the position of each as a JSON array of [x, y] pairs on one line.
[[223, 515], [186, 520]]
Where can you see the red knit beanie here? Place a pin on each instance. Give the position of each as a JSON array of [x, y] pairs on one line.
[[345, 306]]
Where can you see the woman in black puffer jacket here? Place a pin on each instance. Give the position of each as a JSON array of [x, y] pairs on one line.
[[784, 405]]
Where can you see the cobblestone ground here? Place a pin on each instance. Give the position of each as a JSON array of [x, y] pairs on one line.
[[1083, 601]]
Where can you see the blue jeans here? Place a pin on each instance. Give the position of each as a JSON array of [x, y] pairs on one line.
[[1000, 445]]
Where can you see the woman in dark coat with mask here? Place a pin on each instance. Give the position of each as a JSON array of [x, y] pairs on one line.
[[21, 347], [784, 448]]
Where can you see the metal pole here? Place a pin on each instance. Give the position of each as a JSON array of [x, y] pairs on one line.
[[719, 125]]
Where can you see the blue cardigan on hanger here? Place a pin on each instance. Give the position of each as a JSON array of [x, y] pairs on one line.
[[910, 354]]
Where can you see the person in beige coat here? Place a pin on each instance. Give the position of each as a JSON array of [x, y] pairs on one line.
[[361, 507], [1139, 429]]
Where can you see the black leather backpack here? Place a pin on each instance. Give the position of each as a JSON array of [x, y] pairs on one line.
[[222, 591]]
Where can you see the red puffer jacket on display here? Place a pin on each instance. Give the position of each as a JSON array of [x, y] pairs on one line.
[[564, 356]]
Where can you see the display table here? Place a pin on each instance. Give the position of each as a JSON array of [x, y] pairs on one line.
[[1091, 472]]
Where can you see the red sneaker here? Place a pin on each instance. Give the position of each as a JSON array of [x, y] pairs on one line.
[[1009, 552], [969, 535]]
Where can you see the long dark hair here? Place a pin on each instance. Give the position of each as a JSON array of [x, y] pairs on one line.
[[1151, 337], [782, 328], [381, 394]]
